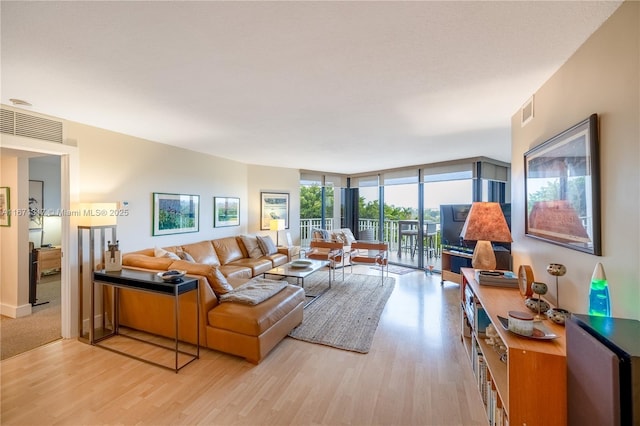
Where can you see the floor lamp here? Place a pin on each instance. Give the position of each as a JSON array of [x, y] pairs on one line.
[[485, 223], [93, 223], [276, 225]]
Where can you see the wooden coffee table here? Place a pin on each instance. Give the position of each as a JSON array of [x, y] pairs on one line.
[[291, 271]]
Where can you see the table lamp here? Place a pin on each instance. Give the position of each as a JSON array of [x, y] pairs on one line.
[[276, 225], [484, 224]]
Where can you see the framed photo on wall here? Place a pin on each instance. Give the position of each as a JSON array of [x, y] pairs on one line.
[[175, 213], [36, 203], [562, 187], [274, 205], [5, 206], [226, 211]]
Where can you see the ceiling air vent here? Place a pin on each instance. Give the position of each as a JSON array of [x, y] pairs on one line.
[[8, 121], [31, 126]]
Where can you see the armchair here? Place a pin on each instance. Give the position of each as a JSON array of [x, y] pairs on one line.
[[370, 253], [326, 250]]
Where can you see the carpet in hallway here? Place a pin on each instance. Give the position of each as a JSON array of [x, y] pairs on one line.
[[18, 335]]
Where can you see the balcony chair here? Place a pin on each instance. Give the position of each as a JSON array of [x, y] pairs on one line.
[[370, 253], [327, 250]]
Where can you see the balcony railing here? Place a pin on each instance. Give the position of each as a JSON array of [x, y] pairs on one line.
[[389, 231]]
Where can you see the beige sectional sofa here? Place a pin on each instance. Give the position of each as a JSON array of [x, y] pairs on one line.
[[249, 331]]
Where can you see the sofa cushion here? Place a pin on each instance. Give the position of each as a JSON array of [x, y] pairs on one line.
[[160, 252], [266, 245], [258, 266], [202, 252], [183, 255], [251, 245], [217, 281], [233, 270], [255, 320], [147, 262], [227, 249], [278, 258]]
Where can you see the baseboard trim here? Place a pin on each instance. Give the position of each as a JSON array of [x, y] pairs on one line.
[[13, 311]]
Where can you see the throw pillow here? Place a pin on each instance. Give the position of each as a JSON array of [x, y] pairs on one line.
[[338, 237], [219, 283], [348, 235], [160, 252], [183, 255], [321, 235], [251, 244], [266, 245]]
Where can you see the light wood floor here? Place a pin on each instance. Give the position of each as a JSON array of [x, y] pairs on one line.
[[417, 373]]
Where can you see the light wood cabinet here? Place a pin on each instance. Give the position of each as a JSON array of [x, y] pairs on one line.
[[529, 383], [452, 261], [48, 258]]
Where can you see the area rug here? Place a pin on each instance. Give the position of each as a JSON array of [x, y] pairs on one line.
[[395, 269], [347, 315]]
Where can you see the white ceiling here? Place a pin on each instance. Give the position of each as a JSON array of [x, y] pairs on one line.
[[341, 87]]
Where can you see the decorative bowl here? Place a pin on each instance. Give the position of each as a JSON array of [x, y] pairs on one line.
[[171, 275], [521, 323], [301, 263], [557, 315], [532, 304]]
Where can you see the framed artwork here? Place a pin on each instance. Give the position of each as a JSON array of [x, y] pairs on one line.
[[562, 187], [36, 203], [274, 205], [175, 213], [226, 211], [5, 206]]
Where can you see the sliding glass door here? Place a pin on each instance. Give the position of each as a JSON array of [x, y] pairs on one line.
[[402, 206]]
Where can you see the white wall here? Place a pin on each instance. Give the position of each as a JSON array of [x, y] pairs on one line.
[[602, 77]]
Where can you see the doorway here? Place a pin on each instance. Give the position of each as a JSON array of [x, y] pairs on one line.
[[44, 324], [15, 267]]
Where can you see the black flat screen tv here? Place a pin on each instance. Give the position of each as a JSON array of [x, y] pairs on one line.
[[452, 217]]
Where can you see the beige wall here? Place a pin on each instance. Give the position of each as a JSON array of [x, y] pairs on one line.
[[275, 179], [602, 77], [116, 168], [14, 299], [104, 166]]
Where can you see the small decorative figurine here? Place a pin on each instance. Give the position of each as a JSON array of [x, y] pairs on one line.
[[557, 315], [539, 289], [113, 257]]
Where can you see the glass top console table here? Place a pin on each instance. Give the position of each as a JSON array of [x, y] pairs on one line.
[[145, 282]]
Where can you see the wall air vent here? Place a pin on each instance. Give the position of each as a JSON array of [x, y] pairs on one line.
[[526, 113], [31, 126]]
